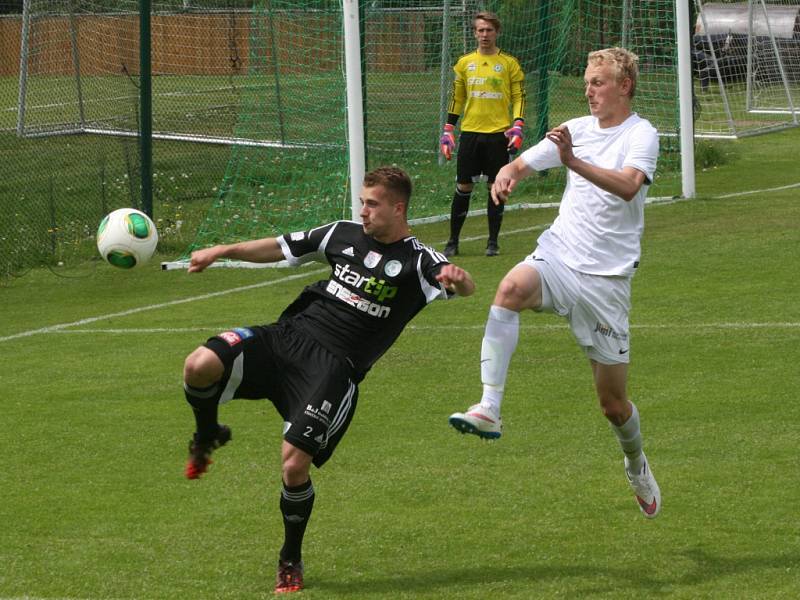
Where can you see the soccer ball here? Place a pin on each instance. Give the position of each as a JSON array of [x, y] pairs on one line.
[[126, 238]]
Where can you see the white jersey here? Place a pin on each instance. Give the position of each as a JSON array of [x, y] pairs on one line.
[[597, 232]]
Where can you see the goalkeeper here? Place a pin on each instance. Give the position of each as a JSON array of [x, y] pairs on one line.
[[487, 83]]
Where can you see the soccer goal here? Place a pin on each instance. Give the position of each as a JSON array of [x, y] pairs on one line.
[[80, 68], [271, 83], [747, 67]]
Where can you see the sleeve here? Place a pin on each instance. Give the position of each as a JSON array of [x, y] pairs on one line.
[[542, 156], [643, 150], [517, 77], [429, 263], [300, 247], [458, 93]]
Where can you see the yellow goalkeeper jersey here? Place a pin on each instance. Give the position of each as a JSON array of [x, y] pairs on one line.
[[484, 88]]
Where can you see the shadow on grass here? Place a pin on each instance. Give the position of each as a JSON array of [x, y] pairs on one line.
[[702, 568]]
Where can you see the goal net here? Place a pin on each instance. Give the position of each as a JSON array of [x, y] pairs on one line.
[[249, 99], [408, 49], [746, 58]]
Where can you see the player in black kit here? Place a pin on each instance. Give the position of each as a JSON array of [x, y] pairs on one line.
[[310, 362]]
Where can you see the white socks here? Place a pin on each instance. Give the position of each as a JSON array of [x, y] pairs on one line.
[[630, 438], [499, 342]]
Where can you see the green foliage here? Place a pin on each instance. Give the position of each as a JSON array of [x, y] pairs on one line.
[[713, 153]]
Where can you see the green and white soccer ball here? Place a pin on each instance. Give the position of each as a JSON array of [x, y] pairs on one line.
[[127, 238]]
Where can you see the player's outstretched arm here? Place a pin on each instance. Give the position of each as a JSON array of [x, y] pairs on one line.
[[507, 179], [624, 183], [456, 280], [265, 250]]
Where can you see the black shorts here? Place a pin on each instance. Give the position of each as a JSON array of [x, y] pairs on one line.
[[480, 153], [313, 390]]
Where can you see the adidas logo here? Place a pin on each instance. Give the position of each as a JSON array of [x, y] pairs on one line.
[[348, 251]]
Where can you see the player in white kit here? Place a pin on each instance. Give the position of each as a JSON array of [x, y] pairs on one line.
[[582, 266]]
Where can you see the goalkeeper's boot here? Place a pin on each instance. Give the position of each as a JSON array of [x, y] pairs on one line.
[[289, 577], [451, 249], [646, 490], [492, 249], [478, 420], [200, 451]]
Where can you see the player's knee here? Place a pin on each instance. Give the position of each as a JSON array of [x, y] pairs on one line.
[[295, 469], [464, 188], [512, 294], [202, 368], [614, 408]]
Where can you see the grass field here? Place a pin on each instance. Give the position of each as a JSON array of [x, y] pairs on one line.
[[94, 504]]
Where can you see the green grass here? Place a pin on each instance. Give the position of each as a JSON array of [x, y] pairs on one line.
[[94, 505]]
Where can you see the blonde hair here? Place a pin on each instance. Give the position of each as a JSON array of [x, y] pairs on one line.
[[625, 63]]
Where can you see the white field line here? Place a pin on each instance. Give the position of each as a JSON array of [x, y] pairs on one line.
[[62, 326], [750, 192], [133, 311]]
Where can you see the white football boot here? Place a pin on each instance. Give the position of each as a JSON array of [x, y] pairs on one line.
[[479, 421], [646, 490]]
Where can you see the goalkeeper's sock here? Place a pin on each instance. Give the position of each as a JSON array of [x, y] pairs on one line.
[[630, 439], [458, 213], [296, 504], [499, 342], [204, 403], [495, 215]]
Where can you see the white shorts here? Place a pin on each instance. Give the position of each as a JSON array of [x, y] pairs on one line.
[[596, 306]]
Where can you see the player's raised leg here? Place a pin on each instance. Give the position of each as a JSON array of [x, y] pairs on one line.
[[202, 374], [519, 290], [623, 416]]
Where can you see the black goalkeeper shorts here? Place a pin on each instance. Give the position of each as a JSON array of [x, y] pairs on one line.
[[480, 153], [312, 389]]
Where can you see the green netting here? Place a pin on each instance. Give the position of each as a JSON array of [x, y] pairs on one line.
[[249, 111], [408, 48], [404, 76], [293, 171], [53, 190]]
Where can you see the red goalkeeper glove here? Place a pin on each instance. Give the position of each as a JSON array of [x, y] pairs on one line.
[[448, 141], [514, 135]]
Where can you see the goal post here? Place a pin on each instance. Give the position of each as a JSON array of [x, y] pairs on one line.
[[685, 98], [355, 107]]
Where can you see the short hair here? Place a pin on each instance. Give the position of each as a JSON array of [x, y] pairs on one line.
[[394, 179], [487, 15], [625, 63]]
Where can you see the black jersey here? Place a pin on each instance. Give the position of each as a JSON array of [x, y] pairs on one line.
[[373, 291]]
